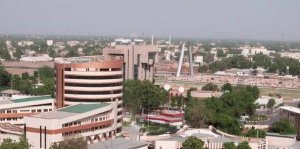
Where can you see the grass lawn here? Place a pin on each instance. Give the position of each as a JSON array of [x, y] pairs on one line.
[[287, 93], [158, 129]]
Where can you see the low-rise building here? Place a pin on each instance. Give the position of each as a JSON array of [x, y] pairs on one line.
[[13, 111], [172, 117], [263, 101], [95, 122]]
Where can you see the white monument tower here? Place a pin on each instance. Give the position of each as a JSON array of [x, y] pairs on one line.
[[181, 59]]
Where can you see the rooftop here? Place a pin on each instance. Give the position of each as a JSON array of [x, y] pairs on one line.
[[117, 144], [70, 111], [82, 108], [85, 59], [10, 91], [35, 98], [10, 128], [291, 109]]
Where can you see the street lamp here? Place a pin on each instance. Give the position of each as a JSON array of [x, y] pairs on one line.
[[167, 87], [181, 90]]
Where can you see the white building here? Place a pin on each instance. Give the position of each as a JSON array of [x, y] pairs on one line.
[[72, 43], [13, 111], [49, 42], [294, 55], [198, 59], [263, 101], [95, 122], [25, 43]]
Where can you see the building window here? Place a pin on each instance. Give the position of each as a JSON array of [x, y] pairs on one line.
[[39, 110], [32, 111], [8, 111]]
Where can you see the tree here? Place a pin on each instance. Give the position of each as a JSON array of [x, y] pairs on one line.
[[196, 113], [4, 77], [142, 94], [72, 143], [10, 144], [243, 145], [192, 142], [229, 145], [45, 72], [227, 87], [210, 87], [220, 53], [271, 103], [283, 126]]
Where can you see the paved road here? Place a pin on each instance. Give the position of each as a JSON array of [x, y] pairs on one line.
[[132, 131]]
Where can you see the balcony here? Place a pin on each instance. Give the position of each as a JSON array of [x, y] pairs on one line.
[[71, 88], [78, 96], [93, 73], [87, 81]]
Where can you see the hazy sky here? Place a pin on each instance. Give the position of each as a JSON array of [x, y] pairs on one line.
[[232, 19]]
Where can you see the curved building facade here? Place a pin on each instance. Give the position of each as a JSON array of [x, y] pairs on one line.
[[88, 80]]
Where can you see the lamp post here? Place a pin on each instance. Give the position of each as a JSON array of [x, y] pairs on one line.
[[181, 90], [167, 87]]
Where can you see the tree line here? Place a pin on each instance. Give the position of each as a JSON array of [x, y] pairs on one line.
[[27, 83], [274, 65]]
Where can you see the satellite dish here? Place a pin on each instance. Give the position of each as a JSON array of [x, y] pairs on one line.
[[167, 87]]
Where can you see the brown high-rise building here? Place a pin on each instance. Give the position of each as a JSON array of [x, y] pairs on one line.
[[139, 60], [88, 79]]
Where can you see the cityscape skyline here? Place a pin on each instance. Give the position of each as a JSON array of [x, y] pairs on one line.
[[262, 20]]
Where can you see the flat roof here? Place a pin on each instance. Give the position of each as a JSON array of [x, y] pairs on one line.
[[85, 59], [291, 109], [82, 108], [35, 98], [70, 111], [10, 128], [118, 143]]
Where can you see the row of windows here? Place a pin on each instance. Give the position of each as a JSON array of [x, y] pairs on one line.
[[94, 77], [93, 69], [94, 85], [93, 93], [93, 100], [8, 119], [25, 111], [84, 130], [102, 118]]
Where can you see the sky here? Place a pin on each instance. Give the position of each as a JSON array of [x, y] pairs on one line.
[[220, 19]]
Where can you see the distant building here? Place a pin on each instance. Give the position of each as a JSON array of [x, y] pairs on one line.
[[49, 42], [293, 55], [263, 101], [38, 58], [72, 43], [198, 59], [139, 60], [25, 43]]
